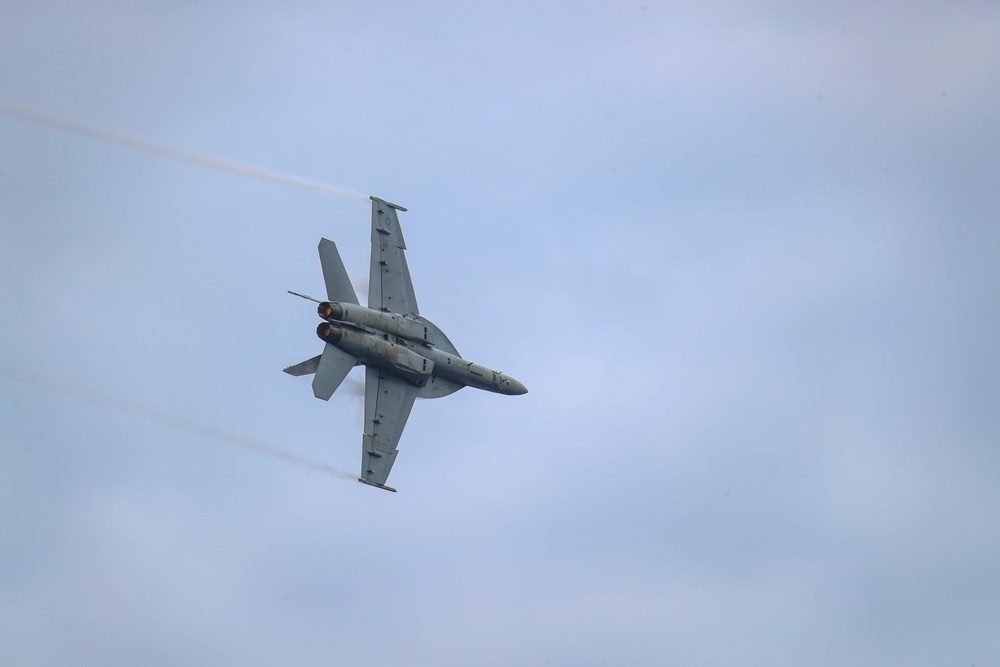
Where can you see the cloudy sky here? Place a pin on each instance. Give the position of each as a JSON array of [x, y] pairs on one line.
[[743, 254]]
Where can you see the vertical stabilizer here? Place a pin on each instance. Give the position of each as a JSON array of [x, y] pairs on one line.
[[338, 284]]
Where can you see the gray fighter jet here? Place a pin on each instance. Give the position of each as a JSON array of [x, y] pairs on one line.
[[405, 355]]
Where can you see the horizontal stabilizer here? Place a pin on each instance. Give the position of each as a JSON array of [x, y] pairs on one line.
[[304, 368], [334, 365]]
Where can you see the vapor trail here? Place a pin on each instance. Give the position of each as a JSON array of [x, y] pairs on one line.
[[106, 134], [157, 414]]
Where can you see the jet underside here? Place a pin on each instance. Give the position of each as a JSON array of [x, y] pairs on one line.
[[405, 354]]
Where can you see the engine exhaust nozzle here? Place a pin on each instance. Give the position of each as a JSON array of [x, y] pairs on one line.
[[330, 310], [330, 333]]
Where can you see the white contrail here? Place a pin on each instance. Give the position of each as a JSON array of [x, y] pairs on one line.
[[106, 134], [158, 414]]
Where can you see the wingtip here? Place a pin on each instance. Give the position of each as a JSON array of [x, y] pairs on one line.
[[376, 484], [387, 203]]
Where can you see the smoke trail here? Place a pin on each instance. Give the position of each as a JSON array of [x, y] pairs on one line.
[[105, 134], [157, 414]]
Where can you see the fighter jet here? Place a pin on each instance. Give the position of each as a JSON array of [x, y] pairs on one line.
[[405, 355]]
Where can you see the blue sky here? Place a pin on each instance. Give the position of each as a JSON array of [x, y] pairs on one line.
[[742, 254]]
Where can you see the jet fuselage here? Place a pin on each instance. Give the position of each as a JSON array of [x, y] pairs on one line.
[[404, 346]]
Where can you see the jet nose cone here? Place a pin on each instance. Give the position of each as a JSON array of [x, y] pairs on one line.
[[516, 388]]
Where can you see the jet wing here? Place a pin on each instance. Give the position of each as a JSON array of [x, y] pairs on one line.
[[388, 400], [389, 286]]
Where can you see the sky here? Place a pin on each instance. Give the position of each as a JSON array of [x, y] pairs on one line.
[[743, 255]]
